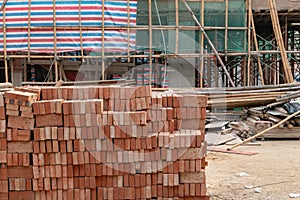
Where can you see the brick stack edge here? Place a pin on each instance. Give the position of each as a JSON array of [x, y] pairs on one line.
[[101, 143]]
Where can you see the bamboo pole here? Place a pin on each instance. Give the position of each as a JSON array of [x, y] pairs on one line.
[[103, 40], [137, 27], [243, 99], [249, 44], [210, 43], [177, 25], [226, 29], [113, 56], [110, 56], [55, 41], [4, 45], [5, 86], [265, 131], [171, 55], [202, 45], [257, 48], [259, 90], [273, 52], [244, 69], [128, 31], [249, 94], [150, 40], [3, 8], [289, 96], [286, 33], [11, 65], [280, 43], [3, 5], [60, 69], [80, 32], [25, 69], [64, 74], [218, 93], [28, 29]]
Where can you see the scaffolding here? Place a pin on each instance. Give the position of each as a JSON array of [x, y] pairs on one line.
[[225, 40]]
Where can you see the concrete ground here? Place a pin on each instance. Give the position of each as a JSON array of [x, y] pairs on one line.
[[273, 173]]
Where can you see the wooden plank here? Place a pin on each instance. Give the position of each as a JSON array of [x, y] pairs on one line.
[[218, 138], [283, 133], [231, 151]]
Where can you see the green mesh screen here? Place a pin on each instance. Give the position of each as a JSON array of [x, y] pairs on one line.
[[215, 16], [164, 14]]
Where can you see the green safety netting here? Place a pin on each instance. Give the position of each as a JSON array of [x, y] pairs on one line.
[[164, 14]]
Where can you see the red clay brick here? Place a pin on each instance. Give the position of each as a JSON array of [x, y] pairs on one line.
[[49, 120]]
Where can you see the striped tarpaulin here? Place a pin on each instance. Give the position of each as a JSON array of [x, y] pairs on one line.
[[70, 15]]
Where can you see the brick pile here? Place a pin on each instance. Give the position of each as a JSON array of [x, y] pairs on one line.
[[3, 151], [19, 145], [108, 143]]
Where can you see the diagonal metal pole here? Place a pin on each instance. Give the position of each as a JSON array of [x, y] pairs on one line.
[[209, 42]]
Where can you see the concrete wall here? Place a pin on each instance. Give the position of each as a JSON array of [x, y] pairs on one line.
[[182, 73]]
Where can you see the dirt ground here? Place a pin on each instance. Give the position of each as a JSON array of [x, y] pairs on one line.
[[275, 170]]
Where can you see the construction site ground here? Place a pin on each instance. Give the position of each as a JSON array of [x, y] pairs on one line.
[[272, 174]]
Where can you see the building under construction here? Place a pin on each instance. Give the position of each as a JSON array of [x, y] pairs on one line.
[[119, 133], [212, 43]]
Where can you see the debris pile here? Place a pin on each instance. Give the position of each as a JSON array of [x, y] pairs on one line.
[[259, 118], [276, 117]]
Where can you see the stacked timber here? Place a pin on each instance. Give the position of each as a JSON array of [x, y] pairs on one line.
[[240, 97], [257, 119], [20, 127], [106, 143]]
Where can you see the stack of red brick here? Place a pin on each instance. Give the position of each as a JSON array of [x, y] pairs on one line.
[[110, 143], [3, 151], [19, 142]]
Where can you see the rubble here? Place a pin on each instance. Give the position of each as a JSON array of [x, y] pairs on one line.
[[257, 119]]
